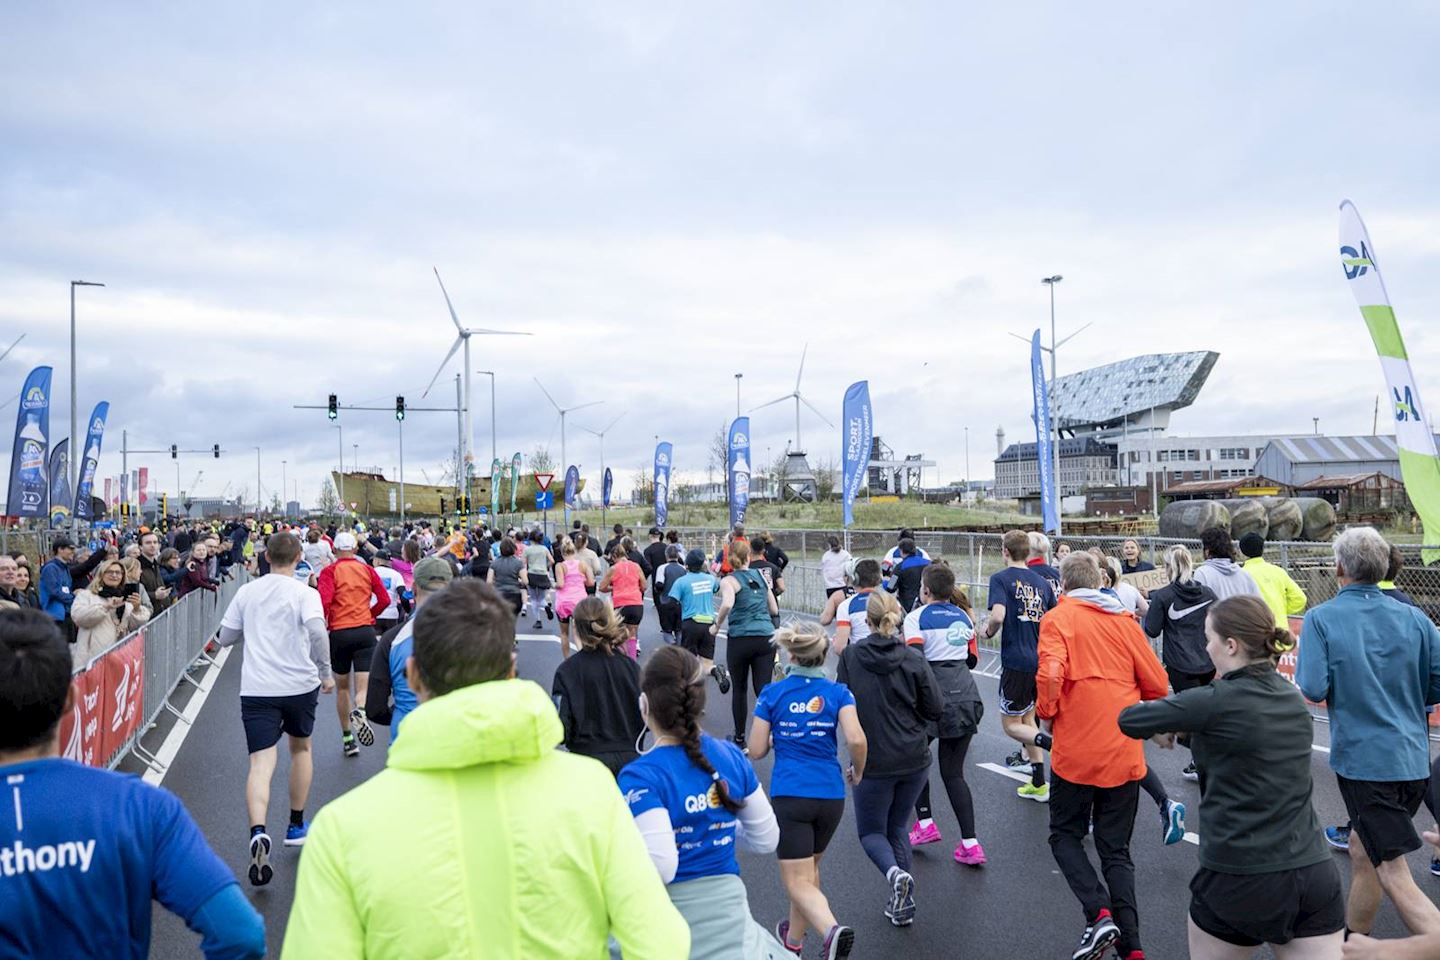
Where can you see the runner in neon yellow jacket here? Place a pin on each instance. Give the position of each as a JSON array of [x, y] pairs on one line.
[[1277, 588], [481, 839]]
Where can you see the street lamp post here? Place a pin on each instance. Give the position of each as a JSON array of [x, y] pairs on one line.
[[1055, 426], [340, 474], [284, 488], [259, 500], [737, 395], [494, 445], [74, 401]]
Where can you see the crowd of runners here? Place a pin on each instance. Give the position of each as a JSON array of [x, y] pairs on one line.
[[542, 852]]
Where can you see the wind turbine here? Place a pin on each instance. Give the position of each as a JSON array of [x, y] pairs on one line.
[[601, 435], [564, 465], [467, 439], [796, 396]]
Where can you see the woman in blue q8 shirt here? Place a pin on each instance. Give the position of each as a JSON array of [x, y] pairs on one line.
[[801, 714], [694, 798]]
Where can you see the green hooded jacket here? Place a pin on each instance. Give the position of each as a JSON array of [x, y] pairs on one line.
[[480, 839]]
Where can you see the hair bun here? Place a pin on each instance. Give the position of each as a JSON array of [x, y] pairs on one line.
[[1282, 640]]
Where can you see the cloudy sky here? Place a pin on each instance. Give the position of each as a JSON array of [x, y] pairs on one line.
[[664, 195]]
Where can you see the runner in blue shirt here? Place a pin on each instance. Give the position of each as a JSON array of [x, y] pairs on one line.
[[695, 592], [801, 714], [694, 798], [1019, 597], [83, 851]]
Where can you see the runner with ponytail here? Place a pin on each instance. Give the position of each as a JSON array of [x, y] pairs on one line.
[[597, 691], [1265, 874], [692, 785]]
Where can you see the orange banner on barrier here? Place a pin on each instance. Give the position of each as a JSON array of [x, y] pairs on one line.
[[106, 707]]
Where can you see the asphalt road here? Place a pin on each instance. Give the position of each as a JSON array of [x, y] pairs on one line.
[[1017, 906]]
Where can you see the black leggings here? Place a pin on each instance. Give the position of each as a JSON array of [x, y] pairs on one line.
[[1151, 784], [952, 774], [752, 655]]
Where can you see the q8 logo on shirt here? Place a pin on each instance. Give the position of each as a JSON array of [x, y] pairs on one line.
[[700, 802], [813, 705]]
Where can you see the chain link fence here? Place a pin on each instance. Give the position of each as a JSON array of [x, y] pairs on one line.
[[976, 556]]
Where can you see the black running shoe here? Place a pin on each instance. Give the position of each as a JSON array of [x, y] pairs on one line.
[[1018, 761], [260, 870], [1098, 937], [363, 731], [722, 677], [901, 906], [348, 744], [549, 612], [1190, 773]]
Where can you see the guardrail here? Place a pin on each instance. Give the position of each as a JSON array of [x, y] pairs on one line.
[[121, 693]]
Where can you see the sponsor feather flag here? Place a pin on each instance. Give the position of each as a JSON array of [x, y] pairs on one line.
[[91, 460], [737, 467], [1044, 458], [663, 453], [29, 485], [60, 498], [859, 428], [495, 487], [1419, 466], [514, 479]]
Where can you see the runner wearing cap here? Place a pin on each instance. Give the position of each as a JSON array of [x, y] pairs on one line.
[[388, 698], [347, 588]]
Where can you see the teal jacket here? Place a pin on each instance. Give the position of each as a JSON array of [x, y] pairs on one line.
[[1375, 664]]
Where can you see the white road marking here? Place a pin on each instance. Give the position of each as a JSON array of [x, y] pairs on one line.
[[175, 739], [1016, 775]]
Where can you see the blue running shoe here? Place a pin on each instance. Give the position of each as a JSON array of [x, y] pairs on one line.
[[1174, 817], [1435, 866], [295, 836], [1338, 837]]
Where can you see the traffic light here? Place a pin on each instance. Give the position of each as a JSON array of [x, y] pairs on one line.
[[216, 450], [174, 452], [125, 510], [164, 505], [442, 506], [333, 410], [399, 408]]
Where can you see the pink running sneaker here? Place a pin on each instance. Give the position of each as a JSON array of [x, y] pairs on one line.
[[919, 836], [971, 856]]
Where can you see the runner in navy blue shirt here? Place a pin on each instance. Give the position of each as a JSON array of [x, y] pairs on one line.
[[801, 715], [83, 851], [694, 798], [1018, 599]]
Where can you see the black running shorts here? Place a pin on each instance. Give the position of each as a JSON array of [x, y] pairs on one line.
[[1382, 813], [265, 718], [695, 637], [1261, 908], [1017, 692], [632, 614], [806, 825], [538, 581], [351, 649]]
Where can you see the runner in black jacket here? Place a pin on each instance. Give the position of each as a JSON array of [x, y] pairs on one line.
[[896, 698]]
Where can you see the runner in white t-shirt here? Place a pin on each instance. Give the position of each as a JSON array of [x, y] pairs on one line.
[[287, 666]]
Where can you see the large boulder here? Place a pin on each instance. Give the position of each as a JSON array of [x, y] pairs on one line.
[[1187, 519], [1247, 515], [1318, 518], [1286, 520]]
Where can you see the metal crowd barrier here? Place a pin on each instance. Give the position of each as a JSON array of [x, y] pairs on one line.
[[174, 645]]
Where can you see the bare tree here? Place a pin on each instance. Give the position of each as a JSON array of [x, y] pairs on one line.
[[541, 461], [328, 502], [644, 487], [827, 477]]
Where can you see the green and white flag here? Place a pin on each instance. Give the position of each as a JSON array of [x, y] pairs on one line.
[[1419, 465]]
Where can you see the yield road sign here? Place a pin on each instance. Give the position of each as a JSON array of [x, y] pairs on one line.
[[543, 480]]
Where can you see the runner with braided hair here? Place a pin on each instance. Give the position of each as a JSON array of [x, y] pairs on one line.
[[694, 798]]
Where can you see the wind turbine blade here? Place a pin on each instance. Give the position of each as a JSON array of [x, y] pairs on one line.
[[453, 347], [802, 367], [12, 346], [816, 411], [592, 403], [547, 394], [499, 333], [453, 317], [612, 422], [772, 402]]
